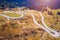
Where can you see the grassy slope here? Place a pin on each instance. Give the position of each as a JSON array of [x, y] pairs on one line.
[[12, 28]]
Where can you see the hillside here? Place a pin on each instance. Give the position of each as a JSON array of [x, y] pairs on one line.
[[25, 28]]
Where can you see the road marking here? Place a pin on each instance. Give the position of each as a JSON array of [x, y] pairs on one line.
[[22, 14], [45, 27]]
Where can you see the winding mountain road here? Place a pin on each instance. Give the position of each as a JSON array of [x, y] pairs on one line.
[[8, 17], [45, 27]]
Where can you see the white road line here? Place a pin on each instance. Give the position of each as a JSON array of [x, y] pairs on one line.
[[50, 31], [45, 27], [56, 34], [5, 16], [8, 17]]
